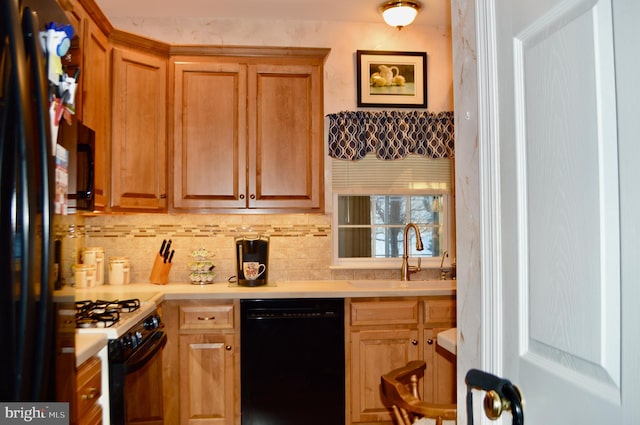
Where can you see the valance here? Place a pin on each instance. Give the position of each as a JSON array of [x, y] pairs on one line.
[[391, 134]]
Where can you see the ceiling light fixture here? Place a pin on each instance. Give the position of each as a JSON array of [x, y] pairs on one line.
[[399, 13]]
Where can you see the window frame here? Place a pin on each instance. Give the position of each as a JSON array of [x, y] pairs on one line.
[[391, 263]]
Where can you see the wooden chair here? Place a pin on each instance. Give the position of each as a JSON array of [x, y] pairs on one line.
[[400, 387]]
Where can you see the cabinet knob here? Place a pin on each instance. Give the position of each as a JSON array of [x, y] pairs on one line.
[[163, 196], [241, 196], [228, 347], [252, 196], [90, 394], [430, 341], [414, 341]]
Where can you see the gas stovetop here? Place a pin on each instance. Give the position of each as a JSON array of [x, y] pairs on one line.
[[111, 317]]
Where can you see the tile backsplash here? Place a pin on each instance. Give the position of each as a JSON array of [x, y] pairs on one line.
[[299, 244]]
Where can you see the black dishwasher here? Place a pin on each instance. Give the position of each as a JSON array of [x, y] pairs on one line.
[[292, 362]]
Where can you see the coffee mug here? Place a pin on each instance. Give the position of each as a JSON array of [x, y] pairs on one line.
[[252, 269]]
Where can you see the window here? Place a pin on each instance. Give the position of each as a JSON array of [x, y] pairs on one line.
[[372, 225], [374, 200]]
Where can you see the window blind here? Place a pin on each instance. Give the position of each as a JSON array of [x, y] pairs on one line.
[[413, 173]]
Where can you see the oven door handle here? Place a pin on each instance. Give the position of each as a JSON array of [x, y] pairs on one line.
[[142, 357]]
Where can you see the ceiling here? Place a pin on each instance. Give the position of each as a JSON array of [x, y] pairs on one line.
[[434, 13]]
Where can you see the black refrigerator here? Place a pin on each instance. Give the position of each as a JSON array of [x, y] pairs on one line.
[[27, 161]]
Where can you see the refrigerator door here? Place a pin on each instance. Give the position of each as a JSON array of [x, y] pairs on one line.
[[26, 206]]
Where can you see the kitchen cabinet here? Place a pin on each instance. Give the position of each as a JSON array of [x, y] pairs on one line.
[[139, 144], [92, 99], [248, 131], [440, 378], [89, 389], [202, 362], [386, 333], [95, 99]]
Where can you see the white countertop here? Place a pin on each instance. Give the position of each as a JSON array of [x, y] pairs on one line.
[[88, 345], [288, 289], [449, 340]]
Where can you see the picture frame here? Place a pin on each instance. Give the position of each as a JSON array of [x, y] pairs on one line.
[[391, 79]]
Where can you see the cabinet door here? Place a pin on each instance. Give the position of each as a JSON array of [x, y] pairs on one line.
[[77, 16], [440, 375], [285, 137], [207, 370], [209, 158], [373, 353], [95, 98], [139, 131]]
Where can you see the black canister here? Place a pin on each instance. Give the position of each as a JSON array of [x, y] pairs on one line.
[[252, 260]]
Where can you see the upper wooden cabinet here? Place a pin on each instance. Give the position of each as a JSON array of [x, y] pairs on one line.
[[248, 132], [139, 143], [96, 78], [209, 134]]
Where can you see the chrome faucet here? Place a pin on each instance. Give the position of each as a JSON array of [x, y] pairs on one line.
[[406, 268], [443, 274]]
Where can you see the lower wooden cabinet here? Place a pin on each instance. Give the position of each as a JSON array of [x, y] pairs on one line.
[[440, 376], [386, 333], [89, 389], [202, 358], [207, 384], [202, 374]]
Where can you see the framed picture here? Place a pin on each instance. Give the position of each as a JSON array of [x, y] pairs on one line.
[[395, 79]]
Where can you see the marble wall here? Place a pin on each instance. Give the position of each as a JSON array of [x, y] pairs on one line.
[[299, 244], [343, 38]]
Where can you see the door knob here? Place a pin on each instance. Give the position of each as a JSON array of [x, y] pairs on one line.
[[501, 395], [494, 404]]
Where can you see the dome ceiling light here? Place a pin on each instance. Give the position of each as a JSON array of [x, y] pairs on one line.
[[399, 13]]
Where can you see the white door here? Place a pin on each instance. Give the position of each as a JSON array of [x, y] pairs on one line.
[[566, 208]]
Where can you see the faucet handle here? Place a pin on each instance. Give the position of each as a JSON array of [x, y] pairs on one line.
[[414, 269]]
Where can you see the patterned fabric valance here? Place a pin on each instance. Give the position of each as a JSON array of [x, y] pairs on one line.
[[391, 134]]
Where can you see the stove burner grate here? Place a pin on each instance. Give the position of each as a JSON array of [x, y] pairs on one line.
[[101, 313]]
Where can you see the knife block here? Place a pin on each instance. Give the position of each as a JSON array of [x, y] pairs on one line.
[[160, 271]]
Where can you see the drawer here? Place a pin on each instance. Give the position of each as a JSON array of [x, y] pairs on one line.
[[207, 316], [379, 312], [440, 311], [94, 417], [89, 388]]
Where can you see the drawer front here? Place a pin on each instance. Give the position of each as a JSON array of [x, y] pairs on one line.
[[94, 417], [379, 312], [439, 311], [209, 316], [89, 389]]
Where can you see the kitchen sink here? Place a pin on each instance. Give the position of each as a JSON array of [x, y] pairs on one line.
[[393, 284]]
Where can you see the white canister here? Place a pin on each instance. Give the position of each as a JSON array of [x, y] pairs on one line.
[[95, 255], [118, 270], [85, 275]]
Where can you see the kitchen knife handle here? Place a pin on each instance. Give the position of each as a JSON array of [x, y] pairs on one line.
[[164, 242]]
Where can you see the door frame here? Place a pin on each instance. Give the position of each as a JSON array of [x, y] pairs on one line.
[[477, 201]]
